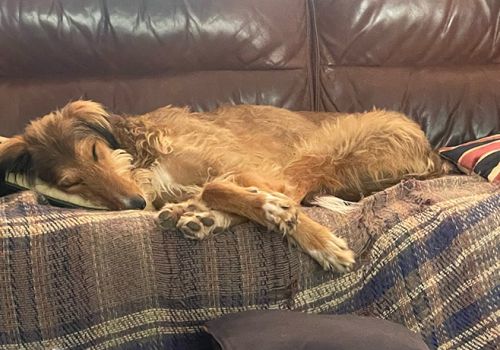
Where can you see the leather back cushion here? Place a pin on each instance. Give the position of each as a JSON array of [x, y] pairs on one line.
[[134, 56], [438, 61]]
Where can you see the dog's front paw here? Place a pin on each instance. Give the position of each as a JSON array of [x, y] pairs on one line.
[[201, 224], [193, 219], [333, 254], [280, 213], [169, 215]]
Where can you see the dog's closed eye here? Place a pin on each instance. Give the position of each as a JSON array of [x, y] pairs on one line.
[[94, 153], [69, 182]]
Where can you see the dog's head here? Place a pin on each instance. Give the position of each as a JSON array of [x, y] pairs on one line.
[[74, 149]]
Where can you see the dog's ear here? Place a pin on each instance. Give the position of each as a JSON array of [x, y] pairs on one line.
[[90, 111], [16, 158], [94, 118]]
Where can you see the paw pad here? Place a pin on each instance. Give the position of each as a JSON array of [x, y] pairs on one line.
[[193, 226], [207, 221]]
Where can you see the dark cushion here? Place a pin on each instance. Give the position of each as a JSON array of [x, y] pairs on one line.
[[279, 330]]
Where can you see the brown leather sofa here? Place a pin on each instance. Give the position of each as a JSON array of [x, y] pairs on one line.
[[437, 61]]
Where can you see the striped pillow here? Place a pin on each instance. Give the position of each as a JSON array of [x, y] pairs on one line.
[[480, 156]]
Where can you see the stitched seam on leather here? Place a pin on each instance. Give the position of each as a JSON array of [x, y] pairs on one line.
[[314, 43], [309, 62]]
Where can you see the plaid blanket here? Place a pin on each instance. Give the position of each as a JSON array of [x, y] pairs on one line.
[[75, 279]]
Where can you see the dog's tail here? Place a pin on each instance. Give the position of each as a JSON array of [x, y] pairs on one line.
[[335, 204]]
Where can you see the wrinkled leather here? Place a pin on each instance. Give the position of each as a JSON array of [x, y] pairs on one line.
[[134, 56], [97, 37], [408, 33], [437, 61]]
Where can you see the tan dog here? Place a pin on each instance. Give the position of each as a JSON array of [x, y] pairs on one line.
[[208, 171]]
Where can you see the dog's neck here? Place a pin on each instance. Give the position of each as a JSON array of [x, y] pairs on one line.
[[140, 140], [132, 142]]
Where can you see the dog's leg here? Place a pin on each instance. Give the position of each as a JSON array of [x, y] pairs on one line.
[[329, 250], [280, 213], [195, 219]]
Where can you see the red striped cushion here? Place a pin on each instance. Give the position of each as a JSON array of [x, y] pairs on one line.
[[480, 156]]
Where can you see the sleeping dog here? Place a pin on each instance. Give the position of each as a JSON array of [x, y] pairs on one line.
[[205, 172]]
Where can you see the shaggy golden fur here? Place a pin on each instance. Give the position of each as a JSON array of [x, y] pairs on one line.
[[208, 171]]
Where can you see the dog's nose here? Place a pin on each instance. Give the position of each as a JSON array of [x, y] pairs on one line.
[[136, 202]]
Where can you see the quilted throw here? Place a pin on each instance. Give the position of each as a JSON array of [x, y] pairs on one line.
[[78, 279]]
